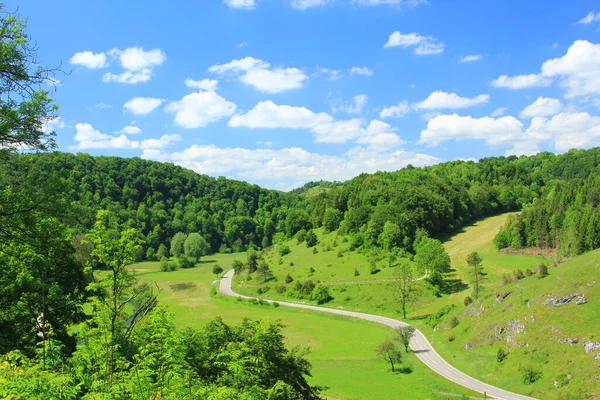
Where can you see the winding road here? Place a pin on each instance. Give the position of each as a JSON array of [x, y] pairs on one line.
[[419, 344]]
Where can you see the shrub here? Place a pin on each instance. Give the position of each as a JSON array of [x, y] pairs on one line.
[[288, 278], [311, 270], [275, 304], [453, 322], [172, 266], [542, 270], [451, 338], [311, 239], [335, 243], [528, 272], [518, 275], [301, 235], [185, 262], [321, 294], [373, 268], [284, 249], [315, 251], [356, 273], [468, 300], [291, 263], [239, 298], [340, 254], [281, 289], [328, 248], [217, 270], [530, 375], [501, 355], [345, 240], [164, 264], [506, 279]]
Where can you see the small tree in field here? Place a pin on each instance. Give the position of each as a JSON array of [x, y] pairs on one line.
[[217, 270], [476, 271], [542, 270], [404, 284], [390, 353], [264, 271], [405, 333]]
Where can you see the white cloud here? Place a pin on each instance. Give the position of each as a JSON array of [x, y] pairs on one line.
[[204, 84], [498, 112], [242, 44], [137, 59], [325, 128], [440, 100], [471, 58], [380, 135], [89, 138], [365, 71], [198, 109], [261, 76], [591, 17], [304, 4], [142, 105], [103, 105], [521, 81], [241, 65], [130, 130], [127, 77], [89, 59], [493, 131], [542, 107], [399, 110], [332, 74], [422, 44], [579, 69], [567, 130], [241, 4], [292, 165], [267, 114], [357, 106]]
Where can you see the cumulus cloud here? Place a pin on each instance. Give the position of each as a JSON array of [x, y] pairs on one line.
[[365, 71], [292, 165], [261, 75], [578, 70], [422, 44], [399, 110], [493, 131], [324, 127], [142, 105], [240, 4], [442, 100], [331, 74], [471, 58], [130, 130], [89, 59], [521, 81], [542, 107], [127, 77], [304, 4], [87, 137], [203, 84], [198, 109]]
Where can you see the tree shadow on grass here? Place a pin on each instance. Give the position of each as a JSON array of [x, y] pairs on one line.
[[453, 286], [176, 287], [405, 370], [206, 261]]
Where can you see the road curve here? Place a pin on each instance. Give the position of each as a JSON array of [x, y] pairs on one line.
[[419, 344]]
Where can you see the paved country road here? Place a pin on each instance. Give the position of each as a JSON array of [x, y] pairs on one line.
[[419, 344]]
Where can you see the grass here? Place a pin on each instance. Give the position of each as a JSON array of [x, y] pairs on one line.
[[342, 349]]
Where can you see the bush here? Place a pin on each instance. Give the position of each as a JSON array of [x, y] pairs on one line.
[[373, 268], [321, 294], [284, 249], [528, 272], [468, 300], [453, 323], [518, 275], [291, 263], [340, 254], [345, 240], [451, 338], [305, 288], [311, 270], [281, 289], [356, 273], [172, 266], [311, 239], [164, 264], [542, 270], [217, 270], [530, 375], [185, 262], [501, 355], [315, 251], [288, 278], [275, 304], [301, 235]]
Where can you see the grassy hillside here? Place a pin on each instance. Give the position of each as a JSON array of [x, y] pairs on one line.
[[346, 363], [535, 334]]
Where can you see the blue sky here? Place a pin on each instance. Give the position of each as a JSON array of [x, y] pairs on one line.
[[281, 92]]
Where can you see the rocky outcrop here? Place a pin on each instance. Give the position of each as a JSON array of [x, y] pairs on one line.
[[561, 301], [591, 346]]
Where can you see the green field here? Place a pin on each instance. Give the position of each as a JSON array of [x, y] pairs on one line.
[[342, 349]]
